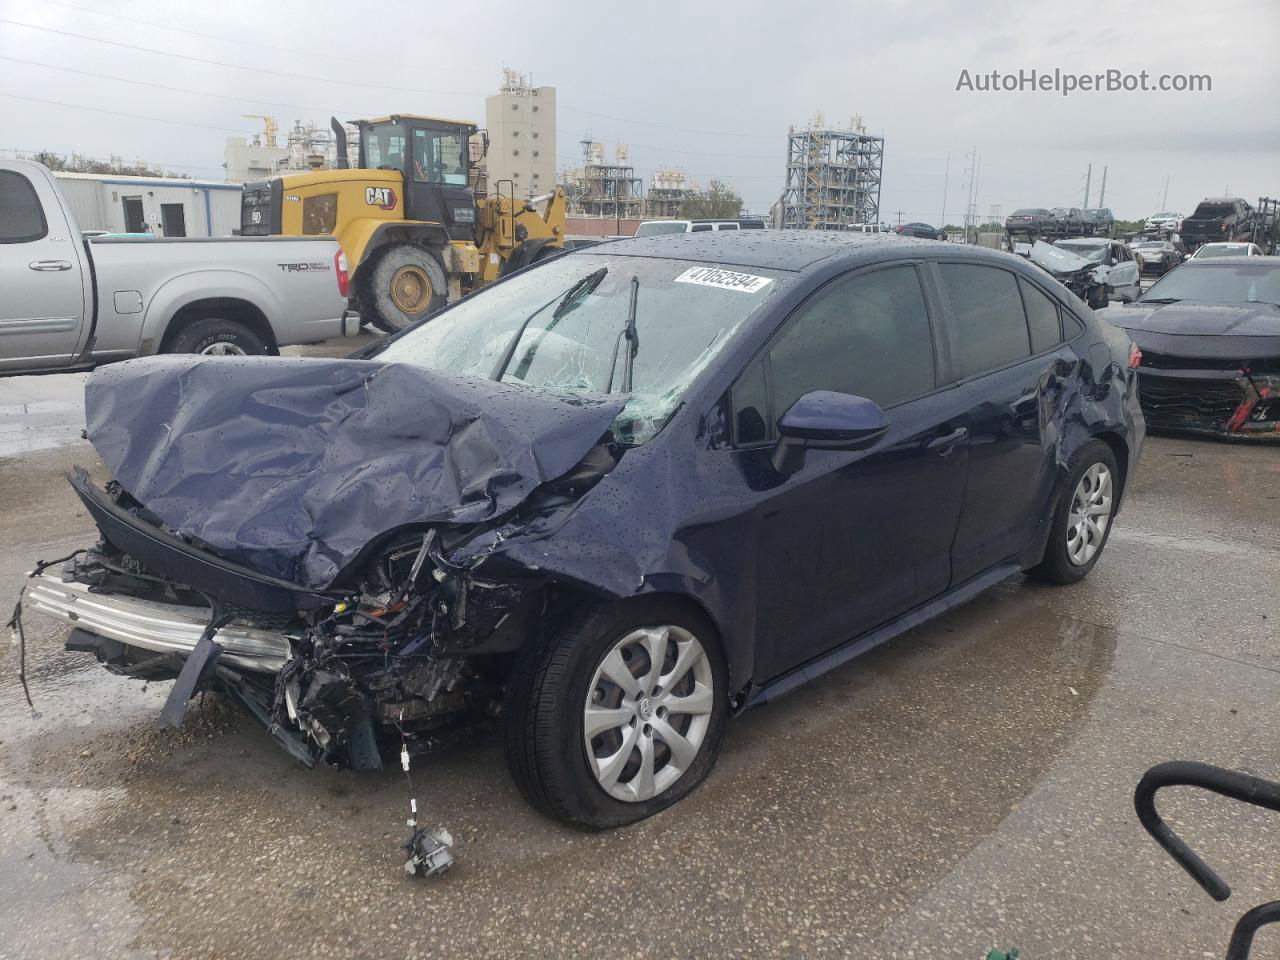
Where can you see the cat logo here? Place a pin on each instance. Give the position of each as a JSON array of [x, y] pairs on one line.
[[382, 197]]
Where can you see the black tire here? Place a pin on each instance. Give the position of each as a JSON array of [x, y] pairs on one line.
[[213, 336], [1056, 566], [409, 268], [531, 251], [548, 692]]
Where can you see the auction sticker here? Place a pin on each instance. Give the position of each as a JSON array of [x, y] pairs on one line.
[[724, 279]]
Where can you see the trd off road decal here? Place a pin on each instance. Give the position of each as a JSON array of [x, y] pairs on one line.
[[724, 279], [382, 197]]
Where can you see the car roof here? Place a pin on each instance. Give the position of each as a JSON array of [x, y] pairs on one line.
[[794, 250]]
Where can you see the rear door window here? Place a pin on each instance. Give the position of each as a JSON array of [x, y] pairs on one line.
[[21, 217], [989, 326], [1042, 317]]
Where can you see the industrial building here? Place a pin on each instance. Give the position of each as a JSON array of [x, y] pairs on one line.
[[833, 177], [521, 122], [306, 147], [667, 193], [604, 190], [160, 206]]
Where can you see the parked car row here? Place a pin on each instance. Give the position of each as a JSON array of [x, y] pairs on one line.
[[1059, 223]]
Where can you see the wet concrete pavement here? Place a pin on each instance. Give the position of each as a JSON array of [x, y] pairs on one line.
[[965, 787]]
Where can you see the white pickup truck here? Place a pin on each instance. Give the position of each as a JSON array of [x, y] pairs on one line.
[[69, 302]]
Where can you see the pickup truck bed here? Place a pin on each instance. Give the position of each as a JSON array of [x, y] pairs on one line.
[[75, 303]]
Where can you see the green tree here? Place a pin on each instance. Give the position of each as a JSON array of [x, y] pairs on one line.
[[717, 202]]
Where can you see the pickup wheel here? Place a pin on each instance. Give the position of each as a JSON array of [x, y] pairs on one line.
[[215, 337], [405, 285]]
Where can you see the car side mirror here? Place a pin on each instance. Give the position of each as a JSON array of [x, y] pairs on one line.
[[826, 420]]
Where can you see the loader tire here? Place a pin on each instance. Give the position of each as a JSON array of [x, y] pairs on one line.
[[405, 285], [531, 251]]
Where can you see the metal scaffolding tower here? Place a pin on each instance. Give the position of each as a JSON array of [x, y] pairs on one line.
[[601, 189], [833, 177]]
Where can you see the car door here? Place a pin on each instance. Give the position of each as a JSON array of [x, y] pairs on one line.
[[1123, 278], [853, 538], [42, 310], [1012, 367]]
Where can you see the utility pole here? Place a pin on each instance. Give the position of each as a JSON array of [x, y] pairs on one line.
[[1102, 194], [971, 209], [1088, 179], [1164, 203], [899, 212], [946, 175]]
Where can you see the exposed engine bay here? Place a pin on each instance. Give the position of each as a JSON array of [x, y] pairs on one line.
[[410, 654]]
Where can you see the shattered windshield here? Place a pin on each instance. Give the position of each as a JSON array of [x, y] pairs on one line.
[[1091, 251], [1221, 283], [574, 311]]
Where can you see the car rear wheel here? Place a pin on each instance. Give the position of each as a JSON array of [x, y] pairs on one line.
[[620, 714], [1082, 520], [215, 337]]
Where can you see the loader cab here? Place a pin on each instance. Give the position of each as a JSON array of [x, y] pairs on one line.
[[433, 157]]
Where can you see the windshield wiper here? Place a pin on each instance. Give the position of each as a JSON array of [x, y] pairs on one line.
[[572, 297], [1160, 300], [632, 337]]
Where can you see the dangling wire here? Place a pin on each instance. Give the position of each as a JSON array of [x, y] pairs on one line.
[[15, 622]]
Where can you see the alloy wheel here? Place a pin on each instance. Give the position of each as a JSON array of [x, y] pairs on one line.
[[647, 712], [223, 348], [1090, 514]]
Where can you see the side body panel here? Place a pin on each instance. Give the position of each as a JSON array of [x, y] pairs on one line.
[[142, 284], [46, 311]]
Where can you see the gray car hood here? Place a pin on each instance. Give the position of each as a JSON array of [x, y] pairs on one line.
[[1058, 260], [294, 465]]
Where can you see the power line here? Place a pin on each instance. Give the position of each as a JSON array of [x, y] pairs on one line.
[[316, 109], [168, 87], [118, 113], [233, 66], [300, 76]]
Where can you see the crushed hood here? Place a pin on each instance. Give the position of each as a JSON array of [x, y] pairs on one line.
[[293, 465], [1058, 260]]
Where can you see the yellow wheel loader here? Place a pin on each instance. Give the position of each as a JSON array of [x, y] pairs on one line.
[[414, 234]]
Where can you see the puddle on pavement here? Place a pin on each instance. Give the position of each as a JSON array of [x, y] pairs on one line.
[[909, 756], [40, 413]]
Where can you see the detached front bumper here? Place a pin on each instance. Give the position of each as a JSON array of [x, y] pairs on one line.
[[152, 626]]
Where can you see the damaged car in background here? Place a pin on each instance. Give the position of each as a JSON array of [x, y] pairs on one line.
[[1210, 339], [1095, 269], [606, 502]]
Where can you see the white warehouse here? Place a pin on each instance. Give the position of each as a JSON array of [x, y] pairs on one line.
[[160, 206]]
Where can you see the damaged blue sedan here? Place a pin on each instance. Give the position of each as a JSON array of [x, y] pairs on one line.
[[608, 502]]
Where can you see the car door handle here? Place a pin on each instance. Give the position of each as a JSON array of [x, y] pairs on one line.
[[944, 443], [49, 265]]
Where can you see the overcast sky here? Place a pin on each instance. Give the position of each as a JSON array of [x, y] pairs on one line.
[[708, 87]]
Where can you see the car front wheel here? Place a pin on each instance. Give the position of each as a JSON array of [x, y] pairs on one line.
[[619, 714], [1082, 520]]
